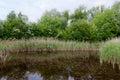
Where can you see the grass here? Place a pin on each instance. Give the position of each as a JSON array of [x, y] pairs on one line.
[[110, 52], [42, 45], [45, 44]]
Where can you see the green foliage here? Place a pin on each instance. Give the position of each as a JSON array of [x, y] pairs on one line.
[[16, 26], [80, 30], [1, 29], [105, 24], [62, 35], [51, 22], [91, 13], [110, 51], [96, 24], [79, 13], [35, 30], [116, 16]]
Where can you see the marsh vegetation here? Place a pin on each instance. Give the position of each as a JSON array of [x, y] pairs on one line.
[[110, 52], [72, 45], [8, 47]]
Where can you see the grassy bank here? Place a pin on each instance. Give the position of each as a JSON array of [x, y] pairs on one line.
[[43, 45], [110, 52]]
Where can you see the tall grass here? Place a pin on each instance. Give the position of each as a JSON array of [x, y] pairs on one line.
[[18, 46], [110, 52]]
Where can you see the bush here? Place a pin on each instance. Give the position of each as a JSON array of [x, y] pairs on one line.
[[80, 30]]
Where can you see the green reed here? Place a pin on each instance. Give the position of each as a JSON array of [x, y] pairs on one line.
[[110, 52]]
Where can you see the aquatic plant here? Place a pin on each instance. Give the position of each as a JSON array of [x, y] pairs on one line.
[[44, 45], [110, 52]]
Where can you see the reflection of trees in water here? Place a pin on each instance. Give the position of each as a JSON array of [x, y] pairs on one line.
[[66, 69], [15, 73]]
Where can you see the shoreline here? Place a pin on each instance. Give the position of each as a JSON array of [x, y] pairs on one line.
[[53, 50], [44, 45]]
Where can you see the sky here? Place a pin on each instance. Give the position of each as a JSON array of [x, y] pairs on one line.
[[34, 9]]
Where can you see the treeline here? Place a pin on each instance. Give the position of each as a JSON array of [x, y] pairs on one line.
[[96, 24]]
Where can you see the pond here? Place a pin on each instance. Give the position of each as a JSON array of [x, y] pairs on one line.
[[53, 66]]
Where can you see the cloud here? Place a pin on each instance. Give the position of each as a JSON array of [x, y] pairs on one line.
[[35, 8], [58, 4], [103, 2]]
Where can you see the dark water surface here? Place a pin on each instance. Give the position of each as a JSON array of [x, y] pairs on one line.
[[73, 68]]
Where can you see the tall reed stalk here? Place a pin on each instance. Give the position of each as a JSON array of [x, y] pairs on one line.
[[110, 52], [18, 46]]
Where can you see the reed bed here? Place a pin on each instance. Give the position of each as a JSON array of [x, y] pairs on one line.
[[35, 59], [110, 52], [8, 47]]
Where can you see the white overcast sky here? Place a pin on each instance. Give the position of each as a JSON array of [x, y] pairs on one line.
[[35, 8]]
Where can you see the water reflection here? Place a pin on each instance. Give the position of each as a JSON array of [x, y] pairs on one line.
[[76, 68], [33, 76]]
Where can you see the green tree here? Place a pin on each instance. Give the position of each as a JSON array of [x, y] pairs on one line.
[[116, 16], [16, 26], [35, 30], [80, 30], [1, 29], [52, 22], [9, 24], [79, 13], [105, 24], [94, 10]]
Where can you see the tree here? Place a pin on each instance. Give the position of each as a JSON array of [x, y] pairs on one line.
[[1, 29], [9, 24], [16, 26], [35, 30], [79, 14], [52, 22], [106, 24], [91, 13], [98, 23], [65, 18], [116, 16], [66, 15], [80, 30]]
